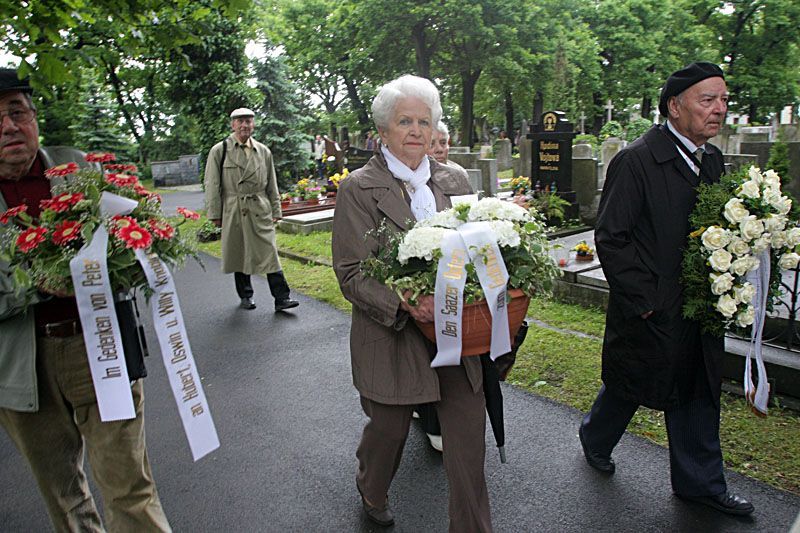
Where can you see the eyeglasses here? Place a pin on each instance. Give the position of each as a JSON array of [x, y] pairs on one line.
[[18, 116]]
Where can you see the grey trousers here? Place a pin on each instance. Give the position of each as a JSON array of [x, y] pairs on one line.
[[462, 414], [52, 440]]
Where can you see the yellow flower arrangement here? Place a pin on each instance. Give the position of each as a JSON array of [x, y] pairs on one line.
[[583, 249], [520, 184]]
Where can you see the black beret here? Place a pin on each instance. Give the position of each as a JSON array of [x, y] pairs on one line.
[[9, 81], [683, 79]]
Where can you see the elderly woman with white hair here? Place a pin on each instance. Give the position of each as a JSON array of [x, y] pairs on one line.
[[390, 356], [440, 147]]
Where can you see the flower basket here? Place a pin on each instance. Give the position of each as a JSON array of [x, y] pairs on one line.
[[285, 203], [477, 323], [587, 258], [312, 201]]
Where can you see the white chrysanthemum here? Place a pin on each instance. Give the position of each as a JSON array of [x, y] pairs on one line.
[[721, 283], [421, 242], [746, 316], [793, 237], [442, 219], [738, 246], [774, 223], [789, 260], [750, 189], [506, 232], [744, 293], [726, 305], [715, 238], [496, 209], [741, 266], [735, 210], [720, 260], [751, 228], [771, 179], [755, 174]]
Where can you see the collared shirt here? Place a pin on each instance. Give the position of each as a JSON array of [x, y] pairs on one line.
[[246, 146], [688, 144]]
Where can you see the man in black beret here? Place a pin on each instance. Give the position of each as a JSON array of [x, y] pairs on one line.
[[48, 404], [652, 356]]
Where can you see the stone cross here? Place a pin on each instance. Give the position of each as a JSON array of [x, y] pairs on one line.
[[583, 120], [609, 107]]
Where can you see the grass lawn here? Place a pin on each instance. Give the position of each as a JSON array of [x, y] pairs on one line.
[[560, 359]]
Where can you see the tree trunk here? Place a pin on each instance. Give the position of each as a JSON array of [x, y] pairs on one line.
[[421, 51], [597, 124], [647, 106], [509, 101], [356, 102], [468, 81], [538, 107], [116, 85]]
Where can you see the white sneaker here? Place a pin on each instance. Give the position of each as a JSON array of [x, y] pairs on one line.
[[436, 441]]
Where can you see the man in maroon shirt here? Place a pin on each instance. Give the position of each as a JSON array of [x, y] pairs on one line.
[[47, 400]]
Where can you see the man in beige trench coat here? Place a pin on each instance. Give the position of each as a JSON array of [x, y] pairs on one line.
[[242, 198]]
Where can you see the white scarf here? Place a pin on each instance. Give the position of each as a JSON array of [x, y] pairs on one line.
[[423, 203]]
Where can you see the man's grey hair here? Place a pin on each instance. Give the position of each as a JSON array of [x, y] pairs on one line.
[[404, 87], [441, 127]]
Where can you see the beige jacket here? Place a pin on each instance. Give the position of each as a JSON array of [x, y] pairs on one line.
[[246, 198], [390, 357]]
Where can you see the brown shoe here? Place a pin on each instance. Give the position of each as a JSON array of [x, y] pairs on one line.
[[382, 516]]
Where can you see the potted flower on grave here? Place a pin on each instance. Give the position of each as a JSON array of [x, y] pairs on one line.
[[286, 199], [583, 252], [311, 195], [483, 239], [333, 182], [520, 185]]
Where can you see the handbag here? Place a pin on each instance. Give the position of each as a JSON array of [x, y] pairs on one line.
[[134, 343]]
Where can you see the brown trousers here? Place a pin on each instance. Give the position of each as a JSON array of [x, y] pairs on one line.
[[52, 440], [462, 414]]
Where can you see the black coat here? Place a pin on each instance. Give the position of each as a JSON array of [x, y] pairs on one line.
[[642, 227]]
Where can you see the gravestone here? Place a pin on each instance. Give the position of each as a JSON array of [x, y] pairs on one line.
[[517, 167], [502, 152], [608, 150], [184, 171], [525, 157], [551, 160], [485, 151], [584, 180], [355, 158], [582, 151], [468, 160], [459, 150], [474, 177], [488, 168], [736, 161]]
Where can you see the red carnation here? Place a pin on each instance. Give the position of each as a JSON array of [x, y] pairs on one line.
[[188, 213], [66, 231], [122, 180], [11, 213], [135, 237], [31, 238], [161, 228], [100, 157], [61, 170]]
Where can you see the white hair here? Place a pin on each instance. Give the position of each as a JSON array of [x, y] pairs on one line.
[[441, 127], [404, 87]]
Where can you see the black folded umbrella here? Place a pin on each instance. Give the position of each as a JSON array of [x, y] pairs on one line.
[[493, 373]]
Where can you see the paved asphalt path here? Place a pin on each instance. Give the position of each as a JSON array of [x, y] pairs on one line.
[[280, 391]]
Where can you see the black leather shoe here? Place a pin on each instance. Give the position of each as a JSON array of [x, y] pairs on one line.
[[286, 303], [595, 460], [247, 303], [382, 517], [726, 502]]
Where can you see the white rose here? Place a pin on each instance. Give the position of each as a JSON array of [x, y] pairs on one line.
[[739, 247], [735, 210], [720, 260], [789, 261], [751, 227], [726, 305], [782, 205], [778, 239], [741, 266], [773, 223], [771, 195], [762, 243], [754, 263], [715, 238], [750, 189], [744, 293], [755, 174], [771, 179], [746, 317], [793, 237], [720, 283]]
